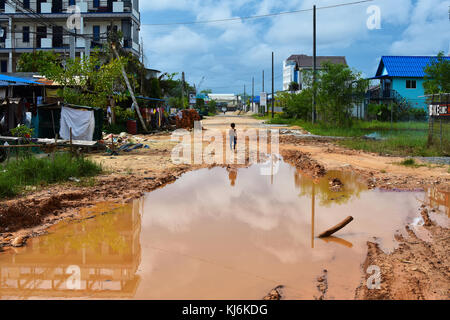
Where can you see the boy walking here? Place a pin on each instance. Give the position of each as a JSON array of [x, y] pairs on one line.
[[233, 137]]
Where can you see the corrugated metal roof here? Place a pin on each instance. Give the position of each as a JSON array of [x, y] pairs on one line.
[[405, 66], [15, 81]]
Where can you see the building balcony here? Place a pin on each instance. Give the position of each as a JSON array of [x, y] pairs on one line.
[[55, 7]]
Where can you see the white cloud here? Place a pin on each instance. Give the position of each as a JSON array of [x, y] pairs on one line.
[[428, 30], [231, 53]]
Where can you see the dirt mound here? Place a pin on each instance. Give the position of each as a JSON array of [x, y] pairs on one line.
[[417, 270], [304, 162]]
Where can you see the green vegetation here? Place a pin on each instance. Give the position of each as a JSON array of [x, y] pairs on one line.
[[437, 76], [410, 162], [38, 61], [339, 88], [406, 143], [22, 131], [405, 138], [30, 171]]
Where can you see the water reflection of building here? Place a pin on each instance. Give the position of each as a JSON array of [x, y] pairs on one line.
[[438, 198], [106, 251]]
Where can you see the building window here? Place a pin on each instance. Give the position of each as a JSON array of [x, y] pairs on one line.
[[26, 34], [96, 3], [26, 4], [4, 66], [96, 32], [411, 84], [71, 2]]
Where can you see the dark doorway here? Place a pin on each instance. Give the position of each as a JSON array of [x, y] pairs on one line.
[[57, 6], [110, 5], [41, 32], [57, 37], [38, 3], [4, 66]]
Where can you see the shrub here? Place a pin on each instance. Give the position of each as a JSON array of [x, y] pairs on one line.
[[31, 171]]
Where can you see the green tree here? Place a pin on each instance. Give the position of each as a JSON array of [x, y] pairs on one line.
[[296, 105], [294, 86], [89, 82], [437, 76], [39, 61], [212, 107], [338, 88]]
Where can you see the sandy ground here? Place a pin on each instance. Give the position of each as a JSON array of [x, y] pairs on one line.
[[129, 175]]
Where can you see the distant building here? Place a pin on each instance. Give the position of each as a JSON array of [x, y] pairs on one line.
[[295, 64], [401, 80], [42, 25]]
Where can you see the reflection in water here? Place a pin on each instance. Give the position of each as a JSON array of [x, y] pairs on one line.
[[343, 242], [352, 187], [438, 198], [232, 175], [102, 256], [201, 239]]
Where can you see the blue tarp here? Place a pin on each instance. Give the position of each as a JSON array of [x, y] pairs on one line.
[[7, 80], [150, 99]]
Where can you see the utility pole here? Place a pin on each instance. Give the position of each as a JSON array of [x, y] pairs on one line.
[[245, 96], [143, 67], [263, 82], [273, 88], [314, 67], [182, 89], [253, 93]]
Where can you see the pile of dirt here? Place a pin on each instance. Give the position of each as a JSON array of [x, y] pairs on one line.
[[416, 270], [187, 120], [304, 162]]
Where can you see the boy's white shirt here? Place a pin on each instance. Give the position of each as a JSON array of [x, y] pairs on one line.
[[232, 133]]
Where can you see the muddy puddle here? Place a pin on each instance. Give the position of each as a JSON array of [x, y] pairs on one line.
[[217, 234]]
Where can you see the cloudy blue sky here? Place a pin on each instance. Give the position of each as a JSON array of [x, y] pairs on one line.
[[229, 54]]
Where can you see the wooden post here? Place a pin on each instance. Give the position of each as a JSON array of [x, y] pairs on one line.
[[336, 228], [127, 81], [71, 147]]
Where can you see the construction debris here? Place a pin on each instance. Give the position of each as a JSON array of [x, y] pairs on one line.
[[322, 285], [274, 294], [336, 228]]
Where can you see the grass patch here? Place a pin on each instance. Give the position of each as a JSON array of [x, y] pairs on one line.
[[397, 144], [31, 171], [360, 128], [399, 139], [411, 163]]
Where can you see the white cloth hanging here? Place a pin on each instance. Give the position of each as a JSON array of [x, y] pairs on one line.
[[82, 123]]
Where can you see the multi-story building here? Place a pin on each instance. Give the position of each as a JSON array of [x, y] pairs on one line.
[[27, 25], [295, 64]]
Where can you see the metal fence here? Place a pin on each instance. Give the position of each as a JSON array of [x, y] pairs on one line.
[[439, 122]]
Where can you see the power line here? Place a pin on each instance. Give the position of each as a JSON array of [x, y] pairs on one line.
[[255, 17]]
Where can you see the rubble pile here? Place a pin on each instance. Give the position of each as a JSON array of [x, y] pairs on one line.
[[187, 118], [123, 142]]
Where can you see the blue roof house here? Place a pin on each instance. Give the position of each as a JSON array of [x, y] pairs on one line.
[[401, 80]]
